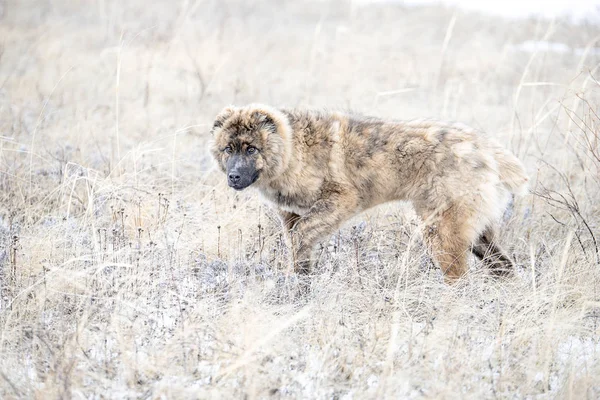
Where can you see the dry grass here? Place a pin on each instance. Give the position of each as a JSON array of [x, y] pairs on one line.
[[129, 270]]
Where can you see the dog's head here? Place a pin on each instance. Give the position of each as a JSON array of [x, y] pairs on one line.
[[251, 144]]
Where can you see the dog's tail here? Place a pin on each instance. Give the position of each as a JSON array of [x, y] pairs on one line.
[[512, 172]]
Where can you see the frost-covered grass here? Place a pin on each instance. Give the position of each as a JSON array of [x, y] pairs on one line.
[[130, 270]]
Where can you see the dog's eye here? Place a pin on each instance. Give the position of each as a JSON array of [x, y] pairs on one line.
[[251, 150], [228, 150]]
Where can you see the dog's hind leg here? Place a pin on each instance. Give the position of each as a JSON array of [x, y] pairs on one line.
[[448, 241], [492, 255]]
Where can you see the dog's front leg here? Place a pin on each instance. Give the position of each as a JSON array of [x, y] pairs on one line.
[[322, 219], [288, 219]]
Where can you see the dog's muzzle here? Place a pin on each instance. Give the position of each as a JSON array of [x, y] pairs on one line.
[[241, 172]]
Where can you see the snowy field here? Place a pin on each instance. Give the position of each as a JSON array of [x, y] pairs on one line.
[[128, 268], [576, 11]]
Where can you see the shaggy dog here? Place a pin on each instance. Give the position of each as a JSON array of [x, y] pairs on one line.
[[321, 168]]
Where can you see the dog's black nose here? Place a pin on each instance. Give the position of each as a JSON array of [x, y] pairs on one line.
[[234, 177]]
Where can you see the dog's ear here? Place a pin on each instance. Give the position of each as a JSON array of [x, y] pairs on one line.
[[264, 119], [222, 117]]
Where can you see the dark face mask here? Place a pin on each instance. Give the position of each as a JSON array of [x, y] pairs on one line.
[[241, 171]]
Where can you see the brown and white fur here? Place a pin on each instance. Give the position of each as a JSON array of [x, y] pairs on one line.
[[321, 168]]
